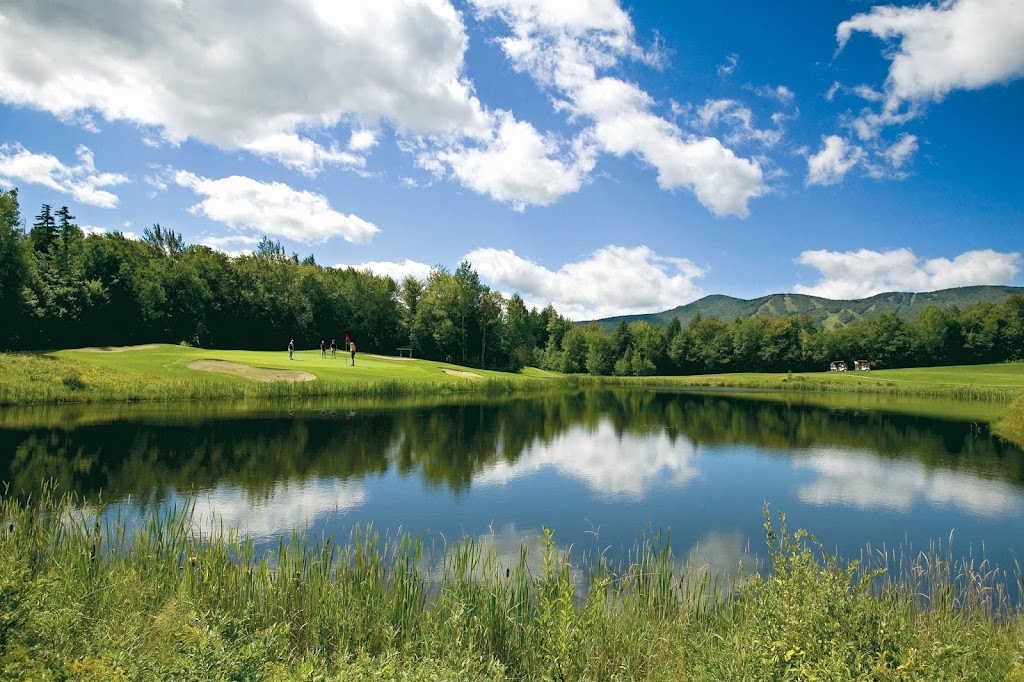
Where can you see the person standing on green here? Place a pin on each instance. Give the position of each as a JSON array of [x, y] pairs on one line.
[[352, 350], [291, 349]]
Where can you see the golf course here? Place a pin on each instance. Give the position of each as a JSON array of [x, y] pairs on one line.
[[164, 372]]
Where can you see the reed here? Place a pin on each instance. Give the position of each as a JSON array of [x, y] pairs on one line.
[[89, 594], [1011, 425]]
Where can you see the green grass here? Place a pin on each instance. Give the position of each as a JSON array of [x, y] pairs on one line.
[[162, 373], [1010, 426], [82, 599], [1000, 382]]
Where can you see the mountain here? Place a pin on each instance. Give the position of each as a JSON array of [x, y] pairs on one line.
[[826, 312]]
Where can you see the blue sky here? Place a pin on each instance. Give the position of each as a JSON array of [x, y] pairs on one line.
[[605, 158]]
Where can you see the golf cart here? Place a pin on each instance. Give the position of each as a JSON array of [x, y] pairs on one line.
[[837, 366]]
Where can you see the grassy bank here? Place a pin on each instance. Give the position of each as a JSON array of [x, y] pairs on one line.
[[1010, 426], [87, 600], [165, 372], [999, 382]]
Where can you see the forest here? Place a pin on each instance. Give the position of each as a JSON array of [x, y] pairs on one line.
[[61, 288]]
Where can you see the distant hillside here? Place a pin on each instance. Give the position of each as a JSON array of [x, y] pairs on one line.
[[826, 312]]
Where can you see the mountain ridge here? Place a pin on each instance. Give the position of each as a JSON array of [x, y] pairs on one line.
[[829, 313]]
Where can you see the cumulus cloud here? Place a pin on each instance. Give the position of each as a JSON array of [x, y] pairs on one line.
[[568, 47], [830, 165], [935, 49], [274, 209], [858, 274], [396, 271], [361, 140], [82, 181], [266, 78], [520, 166], [614, 280]]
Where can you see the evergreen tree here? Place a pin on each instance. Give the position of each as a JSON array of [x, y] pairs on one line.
[[44, 230]]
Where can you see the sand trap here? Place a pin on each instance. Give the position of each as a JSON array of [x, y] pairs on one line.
[[464, 375], [253, 373], [120, 349]]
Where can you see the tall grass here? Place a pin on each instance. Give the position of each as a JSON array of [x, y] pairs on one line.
[[1011, 425], [85, 595]]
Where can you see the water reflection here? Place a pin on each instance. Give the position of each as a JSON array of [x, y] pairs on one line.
[[288, 505], [603, 464], [861, 479], [614, 465]]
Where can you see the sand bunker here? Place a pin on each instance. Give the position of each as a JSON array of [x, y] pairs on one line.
[[253, 373], [120, 349], [464, 375]]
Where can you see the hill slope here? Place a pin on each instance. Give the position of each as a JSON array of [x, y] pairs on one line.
[[823, 311]]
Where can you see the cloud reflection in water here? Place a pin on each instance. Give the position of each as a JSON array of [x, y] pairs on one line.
[[863, 480], [615, 466]]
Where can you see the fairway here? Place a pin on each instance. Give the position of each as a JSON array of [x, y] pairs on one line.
[[173, 362], [1005, 375]]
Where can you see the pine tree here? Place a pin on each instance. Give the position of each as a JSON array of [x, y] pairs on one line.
[[44, 230]]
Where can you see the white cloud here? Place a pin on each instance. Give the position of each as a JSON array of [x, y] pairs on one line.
[[563, 46], [614, 280], [858, 274], [955, 45], [740, 121], [274, 209], [396, 271], [233, 244], [779, 93], [830, 165], [517, 166], [267, 78], [730, 65], [82, 181], [901, 151], [304, 155], [362, 140]]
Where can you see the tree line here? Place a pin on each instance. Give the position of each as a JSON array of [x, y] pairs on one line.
[[61, 289]]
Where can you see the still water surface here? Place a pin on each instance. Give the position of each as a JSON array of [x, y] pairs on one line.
[[599, 467]]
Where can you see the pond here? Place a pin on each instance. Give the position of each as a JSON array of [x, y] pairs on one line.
[[601, 468]]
